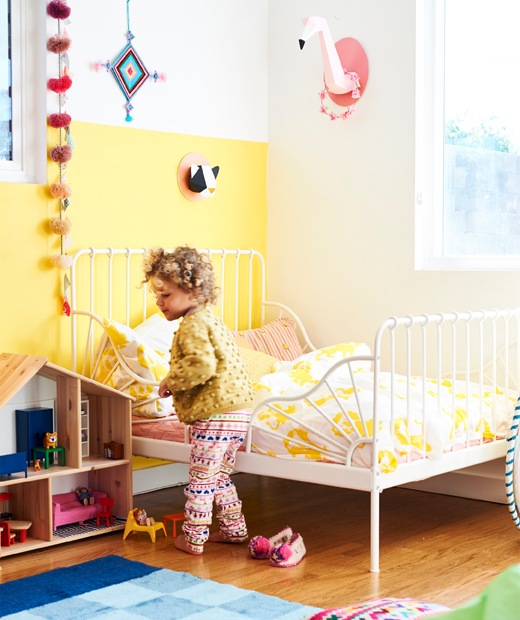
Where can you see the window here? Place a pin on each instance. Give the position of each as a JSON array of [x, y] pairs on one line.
[[22, 91], [468, 135]]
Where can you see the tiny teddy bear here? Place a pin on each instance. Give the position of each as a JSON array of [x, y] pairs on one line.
[[142, 518], [84, 496]]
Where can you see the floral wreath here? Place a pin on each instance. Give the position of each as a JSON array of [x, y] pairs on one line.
[[350, 109]]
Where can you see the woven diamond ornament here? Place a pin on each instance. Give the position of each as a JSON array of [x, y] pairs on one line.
[[128, 69], [130, 73]]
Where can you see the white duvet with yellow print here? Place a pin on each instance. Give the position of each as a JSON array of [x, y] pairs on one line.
[[145, 351], [452, 413]]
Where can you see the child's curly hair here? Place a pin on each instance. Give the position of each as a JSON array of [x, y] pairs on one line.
[[186, 268]]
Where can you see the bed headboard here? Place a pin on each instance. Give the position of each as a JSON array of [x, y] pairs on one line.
[[108, 283]]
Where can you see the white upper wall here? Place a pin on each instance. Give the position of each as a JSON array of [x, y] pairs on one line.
[[341, 193], [213, 53]]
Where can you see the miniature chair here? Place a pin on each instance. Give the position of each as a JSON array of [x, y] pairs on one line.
[[176, 516], [6, 537], [133, 526], [107, 504]]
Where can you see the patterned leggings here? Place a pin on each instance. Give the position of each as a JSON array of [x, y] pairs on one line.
[[213, 453]]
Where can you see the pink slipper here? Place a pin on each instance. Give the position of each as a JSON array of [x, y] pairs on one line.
[[289, 553], [260, 547]]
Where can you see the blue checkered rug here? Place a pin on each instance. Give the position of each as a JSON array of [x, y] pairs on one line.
[[119, 589]]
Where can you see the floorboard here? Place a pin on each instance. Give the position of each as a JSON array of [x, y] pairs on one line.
[[435, 548]]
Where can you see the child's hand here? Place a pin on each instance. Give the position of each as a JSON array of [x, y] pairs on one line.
[[164, 390]]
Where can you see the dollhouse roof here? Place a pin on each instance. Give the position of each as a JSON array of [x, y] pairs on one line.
[[16, 370]]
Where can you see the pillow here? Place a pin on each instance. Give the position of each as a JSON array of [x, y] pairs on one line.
[[145, 350], [277, 338], [257, 363], [383, 609]]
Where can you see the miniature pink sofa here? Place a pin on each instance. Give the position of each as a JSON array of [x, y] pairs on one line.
[[66, 508]]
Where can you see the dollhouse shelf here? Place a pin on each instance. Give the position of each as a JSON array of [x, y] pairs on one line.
[[109, 420]]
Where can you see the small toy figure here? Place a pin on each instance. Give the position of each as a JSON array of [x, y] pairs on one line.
[[84, 496], [37, 466], [142, 518], [50, 440]]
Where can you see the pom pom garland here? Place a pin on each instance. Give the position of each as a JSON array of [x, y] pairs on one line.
[[58, 9], [60, 85], [61, 154], [59, 120], [60, 226], [58, 44], [60, 190]]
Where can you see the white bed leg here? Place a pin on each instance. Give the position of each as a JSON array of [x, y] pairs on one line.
[[374, 529]]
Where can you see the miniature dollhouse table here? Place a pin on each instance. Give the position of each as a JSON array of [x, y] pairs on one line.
[[21, 527], [176, 516], [46, 451]]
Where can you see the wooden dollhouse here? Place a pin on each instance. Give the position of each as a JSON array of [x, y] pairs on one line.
[[30, 488]]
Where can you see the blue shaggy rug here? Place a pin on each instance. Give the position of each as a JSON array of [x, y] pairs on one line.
[[120, 589]]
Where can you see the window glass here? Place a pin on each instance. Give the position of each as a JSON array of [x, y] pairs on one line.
[[6, 144], [468, 165]]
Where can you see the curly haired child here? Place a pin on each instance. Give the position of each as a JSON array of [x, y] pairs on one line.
[[211, 391]]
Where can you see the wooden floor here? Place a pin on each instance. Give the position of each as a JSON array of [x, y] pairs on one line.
[[433, 547]]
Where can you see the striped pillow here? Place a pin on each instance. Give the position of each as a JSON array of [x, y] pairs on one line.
[[277, 338]]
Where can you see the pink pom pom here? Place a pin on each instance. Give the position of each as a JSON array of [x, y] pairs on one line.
[[58, 44], [58, 9], [259, 547], [59, 120], [283, 552], [59, 85], [61, 154]]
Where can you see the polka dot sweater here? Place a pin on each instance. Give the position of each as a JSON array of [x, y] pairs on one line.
[[207, 375]]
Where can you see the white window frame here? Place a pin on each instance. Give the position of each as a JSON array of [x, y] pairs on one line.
[[28, 70], [429, 151]]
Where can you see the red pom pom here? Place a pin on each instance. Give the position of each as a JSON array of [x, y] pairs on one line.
[[58, 9], [58, 44], [59, 120], [59, 85], [61, 154]]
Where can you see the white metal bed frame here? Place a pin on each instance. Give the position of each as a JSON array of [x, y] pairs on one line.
[[443, 345]]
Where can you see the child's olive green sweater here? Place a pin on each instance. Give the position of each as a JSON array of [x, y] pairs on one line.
[[207, 375]]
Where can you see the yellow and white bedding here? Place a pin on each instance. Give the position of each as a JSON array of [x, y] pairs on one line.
[[451, 417]]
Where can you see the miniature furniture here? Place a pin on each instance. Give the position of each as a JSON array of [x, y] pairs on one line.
[[21, 527], [6, 537], [11, 463], [4, 514], [176, 516], [58, 451], [133, 526], [109, 420], [66, 508], [31, 426], [105, 512]]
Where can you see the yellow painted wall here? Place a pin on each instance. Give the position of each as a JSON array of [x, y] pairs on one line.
[[124, 193]]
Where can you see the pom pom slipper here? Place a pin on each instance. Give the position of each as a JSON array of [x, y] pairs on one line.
[[260, 547], [289, 553]]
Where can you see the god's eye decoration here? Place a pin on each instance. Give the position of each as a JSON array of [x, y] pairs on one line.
[[128, 69]]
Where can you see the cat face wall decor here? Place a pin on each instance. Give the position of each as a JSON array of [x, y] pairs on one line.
[[203, 180]]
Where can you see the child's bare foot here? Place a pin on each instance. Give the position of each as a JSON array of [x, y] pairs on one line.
[[181, 544], [219, 537]]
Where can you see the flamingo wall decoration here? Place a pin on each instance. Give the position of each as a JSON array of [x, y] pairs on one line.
[[345, 66]]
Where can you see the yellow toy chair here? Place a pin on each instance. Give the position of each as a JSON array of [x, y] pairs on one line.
[[133, 526]]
